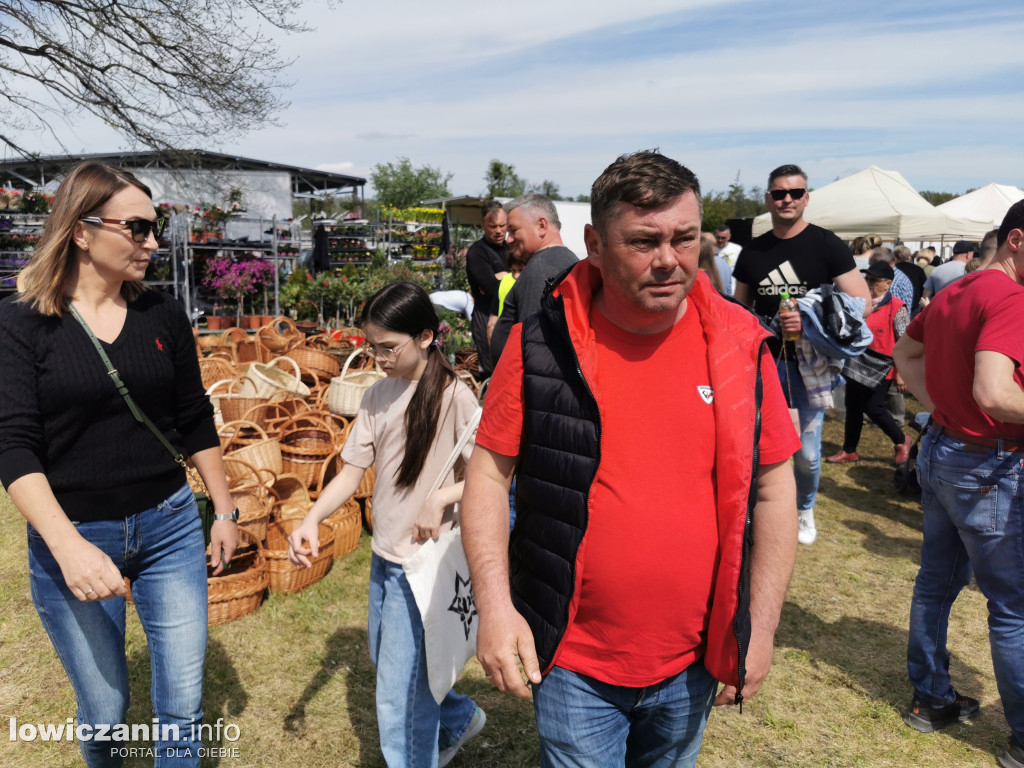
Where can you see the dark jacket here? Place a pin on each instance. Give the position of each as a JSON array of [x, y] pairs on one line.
[[561, 452]]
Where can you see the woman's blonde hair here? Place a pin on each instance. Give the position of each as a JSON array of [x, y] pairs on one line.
[[44, 279]]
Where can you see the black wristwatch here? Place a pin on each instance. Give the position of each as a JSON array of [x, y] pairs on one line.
[[233, 517]]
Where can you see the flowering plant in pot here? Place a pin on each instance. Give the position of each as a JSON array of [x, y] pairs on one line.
[[237, 278]]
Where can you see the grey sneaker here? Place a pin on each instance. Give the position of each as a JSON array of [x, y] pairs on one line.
[[806, 532], [475, 726], [1013, 757]]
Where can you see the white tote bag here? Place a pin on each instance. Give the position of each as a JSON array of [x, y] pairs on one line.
[[438, 575]]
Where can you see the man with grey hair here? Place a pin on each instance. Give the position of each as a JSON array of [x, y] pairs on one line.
[[535, 237]]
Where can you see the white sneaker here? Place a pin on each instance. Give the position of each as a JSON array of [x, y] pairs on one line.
[[806, 532], [475, 726]]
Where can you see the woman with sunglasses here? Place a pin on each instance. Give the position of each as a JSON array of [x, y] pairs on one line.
[[102, 496]]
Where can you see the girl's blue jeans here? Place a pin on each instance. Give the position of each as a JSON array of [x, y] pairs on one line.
[[413, 727], [162, 551]]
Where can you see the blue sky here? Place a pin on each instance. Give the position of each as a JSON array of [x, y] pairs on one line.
[[559, 89]]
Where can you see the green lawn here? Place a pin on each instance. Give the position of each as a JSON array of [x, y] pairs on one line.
[[296, 678]]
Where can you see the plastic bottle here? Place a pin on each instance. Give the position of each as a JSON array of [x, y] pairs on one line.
[[787, 304]]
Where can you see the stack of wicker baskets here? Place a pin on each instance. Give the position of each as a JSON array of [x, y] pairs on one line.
[[281, 441]]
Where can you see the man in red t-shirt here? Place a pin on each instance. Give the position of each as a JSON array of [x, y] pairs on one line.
[[643, 417], [962, 357]]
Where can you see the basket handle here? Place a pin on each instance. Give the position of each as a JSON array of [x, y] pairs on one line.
[[210, 391], [225, 337], [238, 424], [335, 455], [273, 411], [294, 365], [348, 361]]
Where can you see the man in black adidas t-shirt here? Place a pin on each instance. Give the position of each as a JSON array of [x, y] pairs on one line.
[[796, 256]]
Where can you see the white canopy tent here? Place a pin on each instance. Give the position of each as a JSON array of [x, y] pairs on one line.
[[989, 204], [875, 201]]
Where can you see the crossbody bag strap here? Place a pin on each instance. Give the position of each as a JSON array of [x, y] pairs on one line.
[[470, 427], [137, 412]]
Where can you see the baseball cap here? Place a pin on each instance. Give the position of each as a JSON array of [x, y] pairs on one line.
[[962, 246]]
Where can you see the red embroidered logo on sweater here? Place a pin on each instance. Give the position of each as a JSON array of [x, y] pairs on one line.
[[159, 345]]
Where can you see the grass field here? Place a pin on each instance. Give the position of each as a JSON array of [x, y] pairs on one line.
[[296, 678]]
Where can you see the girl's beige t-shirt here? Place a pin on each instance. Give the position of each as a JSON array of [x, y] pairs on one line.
[[378, 437]]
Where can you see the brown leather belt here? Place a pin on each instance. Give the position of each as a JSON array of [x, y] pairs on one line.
[[1013, 446]]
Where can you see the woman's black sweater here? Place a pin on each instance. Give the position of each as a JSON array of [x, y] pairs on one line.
[[61, 415]]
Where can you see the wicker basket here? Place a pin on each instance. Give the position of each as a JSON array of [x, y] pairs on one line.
[[329, 469], [235, 468], [243, 347], [347, 524], [305, 442], [322, 364], [309, 327], [253, 508], [347, 389], [341, 424], [262, 453], [239, 590], [280, 335], [292, 403], [268, 415], [293, 489], [215, 369], [285, 577], [368, 513], [268, 378], [237, 397], [365, 489]]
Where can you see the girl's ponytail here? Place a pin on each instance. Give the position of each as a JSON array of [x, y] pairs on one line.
[[404, 307]]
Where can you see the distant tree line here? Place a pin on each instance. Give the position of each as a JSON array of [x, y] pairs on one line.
[[403, 185]]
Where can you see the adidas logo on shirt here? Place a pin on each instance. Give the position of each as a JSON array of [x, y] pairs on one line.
[[781, 279]]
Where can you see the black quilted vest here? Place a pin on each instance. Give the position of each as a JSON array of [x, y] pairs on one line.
[[560, 453]]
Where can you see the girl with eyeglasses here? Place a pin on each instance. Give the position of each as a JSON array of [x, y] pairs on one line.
[[103, 498], [407, 426]]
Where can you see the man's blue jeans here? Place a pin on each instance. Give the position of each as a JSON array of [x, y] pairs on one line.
[[973, 501], [584, 723], [806, 461], [412, 726], [162, 551]]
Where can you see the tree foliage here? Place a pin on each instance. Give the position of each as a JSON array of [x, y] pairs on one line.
[[503, 181], [937, 198], [401, 185], [547, 188], [737, 202], [163, 73]]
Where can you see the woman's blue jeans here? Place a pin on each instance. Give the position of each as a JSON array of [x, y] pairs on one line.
[[162, 551], [585, 723], [412, 726], [973, 500]]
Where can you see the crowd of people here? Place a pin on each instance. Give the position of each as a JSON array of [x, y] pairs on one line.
[[626, 597]]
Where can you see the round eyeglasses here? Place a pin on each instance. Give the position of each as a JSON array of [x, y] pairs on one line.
[[388, 354]]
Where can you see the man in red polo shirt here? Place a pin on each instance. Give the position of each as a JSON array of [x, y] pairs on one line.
[[962, 357], [656, 511]]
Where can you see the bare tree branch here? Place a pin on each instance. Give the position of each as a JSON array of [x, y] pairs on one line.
[[163, 73]]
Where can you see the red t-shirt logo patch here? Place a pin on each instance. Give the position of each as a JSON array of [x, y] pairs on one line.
[[707, 394], [159, 345]]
